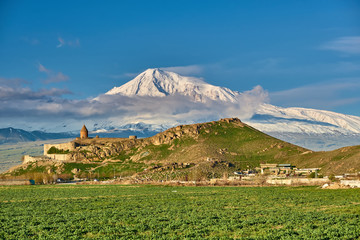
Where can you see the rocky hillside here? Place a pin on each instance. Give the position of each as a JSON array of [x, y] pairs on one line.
[[228, 139], [205, 149]]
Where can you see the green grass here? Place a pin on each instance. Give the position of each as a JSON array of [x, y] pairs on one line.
[[249, 147], [163, 151], [122, 156], [155, 212], [121, 169], [82, 166], [32, 168]]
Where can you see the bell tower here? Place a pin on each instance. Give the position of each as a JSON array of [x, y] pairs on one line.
[[84, 132]]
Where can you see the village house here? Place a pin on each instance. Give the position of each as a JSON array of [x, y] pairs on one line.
[[276, 169]]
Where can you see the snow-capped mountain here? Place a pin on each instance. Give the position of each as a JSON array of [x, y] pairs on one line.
[[158, 83], [271, 118], [311, 126], [156, 100]]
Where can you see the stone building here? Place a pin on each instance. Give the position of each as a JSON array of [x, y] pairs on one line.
[[276, 169], [84, 132]]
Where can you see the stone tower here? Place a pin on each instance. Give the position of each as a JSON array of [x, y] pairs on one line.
[[83, 132]]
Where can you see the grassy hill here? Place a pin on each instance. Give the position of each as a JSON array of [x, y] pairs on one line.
[[343, 160], [223, 140], [191, 152]]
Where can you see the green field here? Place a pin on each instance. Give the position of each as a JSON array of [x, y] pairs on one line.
[[164, 212]]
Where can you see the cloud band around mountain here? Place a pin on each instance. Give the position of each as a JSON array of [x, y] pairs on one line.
[[47, 106]]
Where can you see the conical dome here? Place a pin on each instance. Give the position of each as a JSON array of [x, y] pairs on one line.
[[84, 132], [84, 129]]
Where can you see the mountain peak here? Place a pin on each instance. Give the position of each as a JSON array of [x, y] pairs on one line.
[[155, 82], [151, 72]]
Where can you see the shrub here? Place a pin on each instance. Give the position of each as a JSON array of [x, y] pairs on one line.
[[54, 150], [332, 177], [311, 175]]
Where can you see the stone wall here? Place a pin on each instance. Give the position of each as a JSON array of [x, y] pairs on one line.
[[28, 159], [298, 181], [351, 183], [64, 146], [59, 157], [14, 182]]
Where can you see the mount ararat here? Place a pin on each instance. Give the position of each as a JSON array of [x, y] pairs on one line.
[[156, 100], [310, 128]]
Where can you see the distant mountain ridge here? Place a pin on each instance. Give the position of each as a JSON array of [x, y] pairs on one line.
[[13, 135]]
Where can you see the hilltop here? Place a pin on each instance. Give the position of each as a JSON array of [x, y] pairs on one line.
[[187, 152]]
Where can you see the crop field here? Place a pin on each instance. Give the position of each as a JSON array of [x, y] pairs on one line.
[[165, 212]]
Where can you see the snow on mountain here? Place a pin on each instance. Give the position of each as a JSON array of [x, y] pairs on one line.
[[271, 118], [311, 128], [156, 100], [158, 83]]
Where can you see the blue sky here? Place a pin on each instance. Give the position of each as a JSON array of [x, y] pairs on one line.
[[304, 53]]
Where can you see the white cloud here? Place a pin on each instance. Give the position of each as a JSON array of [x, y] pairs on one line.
[[61, 42], [169, 110], [323, 95], [12, 82], [52, 77], [14, 94], [185, 70], [71, 43], [43, 69], [349, 45]]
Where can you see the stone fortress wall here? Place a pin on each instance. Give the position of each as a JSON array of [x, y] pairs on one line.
[[58, 157], [64, 146], [28, 158]]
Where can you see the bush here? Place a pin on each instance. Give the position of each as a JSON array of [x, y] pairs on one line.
[[41, 178], [311, 175], [332, 177], [54, 150]]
